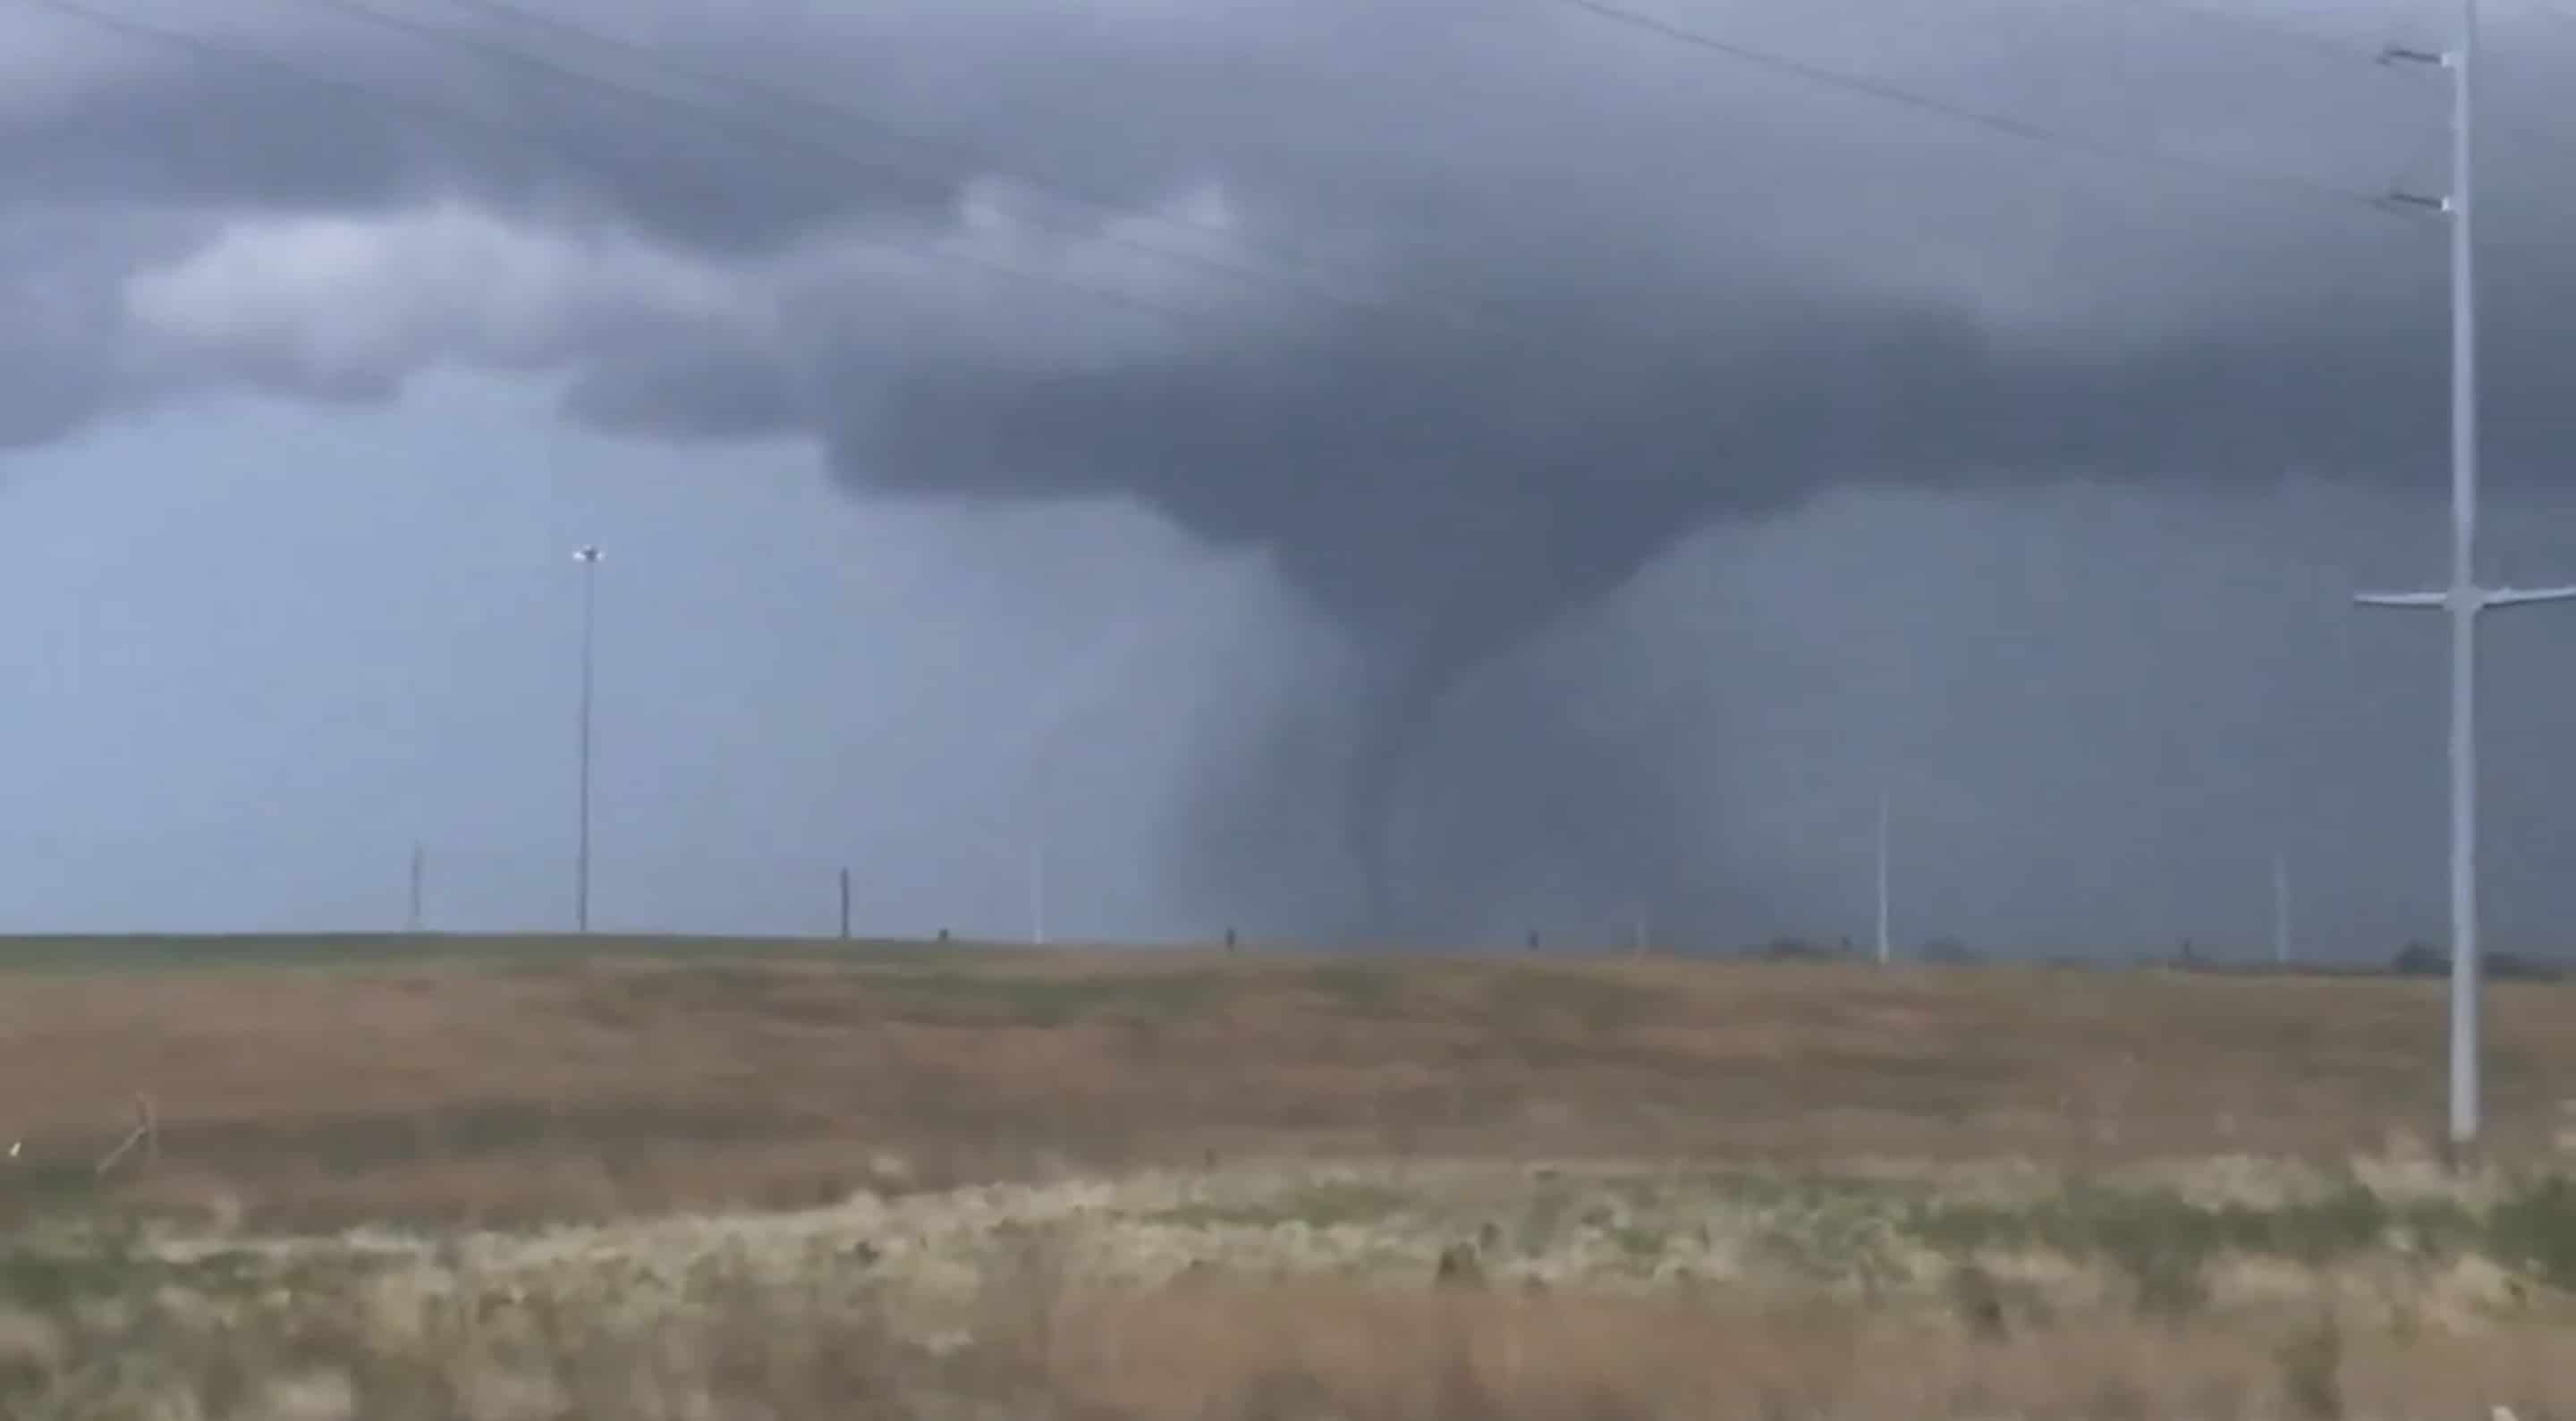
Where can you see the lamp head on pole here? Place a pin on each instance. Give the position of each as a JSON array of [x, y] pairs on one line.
[[586, 553]]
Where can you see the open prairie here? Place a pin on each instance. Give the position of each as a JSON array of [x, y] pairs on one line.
[[508, 1181], [323, 1083]]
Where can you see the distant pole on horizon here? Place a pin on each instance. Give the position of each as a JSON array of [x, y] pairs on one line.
[[2463, 599], [413, 917], [2281, 910], [1037, 895], [1886, 943], [588, 556]]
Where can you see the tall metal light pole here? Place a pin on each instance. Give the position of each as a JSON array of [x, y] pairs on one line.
[[588, 557], [2464, 599]]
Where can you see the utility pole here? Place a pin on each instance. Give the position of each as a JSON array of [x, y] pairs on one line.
[[2281, 910], [1037, 895], [588, 557], [2463, 599], [412, 918], [1886, 945], [845, 905]]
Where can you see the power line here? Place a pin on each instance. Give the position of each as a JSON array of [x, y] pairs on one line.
[[2296, 36], [2000, 123], [508, 11], [653, 57], [576, 75], [207, 47], [1989, 120], [751, 126], [657, 58], [2317, 42], [1995, 122]]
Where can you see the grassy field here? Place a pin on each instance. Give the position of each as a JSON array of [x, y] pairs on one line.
[[538, 1179], [508, 1080], [1456, 1292]]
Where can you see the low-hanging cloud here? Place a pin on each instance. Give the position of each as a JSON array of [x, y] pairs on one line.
[[1461, 312]]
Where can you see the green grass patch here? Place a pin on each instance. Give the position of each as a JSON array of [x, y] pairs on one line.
[[2163, 1244], [1323, 1205], [1639, 1241], [2533, 1232]]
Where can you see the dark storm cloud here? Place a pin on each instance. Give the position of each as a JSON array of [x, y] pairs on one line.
[[1676, 273], [330, 115], [1578, 294], [1659, 329]]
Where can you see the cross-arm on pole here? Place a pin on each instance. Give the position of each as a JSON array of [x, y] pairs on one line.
[[2481, 598], [2526, 596]]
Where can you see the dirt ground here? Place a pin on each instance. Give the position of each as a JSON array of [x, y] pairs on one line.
[[502, 1086]]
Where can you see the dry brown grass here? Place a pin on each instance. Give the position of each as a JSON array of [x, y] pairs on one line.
[[505, 1091], [1190, 1355], [1164, 1187], [820, 1346]]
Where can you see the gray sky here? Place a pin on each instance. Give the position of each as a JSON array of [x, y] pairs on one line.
[[1232, 443]]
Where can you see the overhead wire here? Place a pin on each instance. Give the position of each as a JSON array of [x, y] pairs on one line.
[[1840, 80], [750, 126], [2337, 47], [1845, 81], [1990, 120], [840, 112], [205, 46], [743, 126], [2342, 51], [2296, 36], [2299, 37], [2006, 124]]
